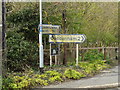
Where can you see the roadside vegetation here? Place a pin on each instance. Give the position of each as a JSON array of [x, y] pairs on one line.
[[96, 20], [30, 79], [55, 75]]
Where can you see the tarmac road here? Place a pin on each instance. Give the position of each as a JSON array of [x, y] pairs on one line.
[[106, 79]]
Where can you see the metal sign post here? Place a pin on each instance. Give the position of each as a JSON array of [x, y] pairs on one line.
[[40, 41], [77, 54], [50, 56], [55, 59]]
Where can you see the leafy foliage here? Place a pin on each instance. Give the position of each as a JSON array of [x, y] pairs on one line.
[[25, 20], [20, 52], [72, 74], [96, 20], [93, 66], [53, 73], [22, 81], [93, 55], [54, 76], [30, 79]]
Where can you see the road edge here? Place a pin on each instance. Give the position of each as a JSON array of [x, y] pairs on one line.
[[103, 86]]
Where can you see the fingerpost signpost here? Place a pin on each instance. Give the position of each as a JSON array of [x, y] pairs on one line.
[[55, 37], [45, 29], [68, 38], [50, 29]]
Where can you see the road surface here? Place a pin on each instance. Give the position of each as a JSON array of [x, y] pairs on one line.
[[106, 79]]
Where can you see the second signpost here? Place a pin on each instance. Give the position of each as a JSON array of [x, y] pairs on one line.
[[55, 37]]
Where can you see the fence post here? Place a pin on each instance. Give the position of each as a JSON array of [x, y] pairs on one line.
[[58, 61], [105, 53], [116, 53], [110, 53]]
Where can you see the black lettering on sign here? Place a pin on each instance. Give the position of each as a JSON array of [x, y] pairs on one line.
[[79, 38]]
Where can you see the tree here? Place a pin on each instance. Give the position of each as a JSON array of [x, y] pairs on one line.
[[98, 21]]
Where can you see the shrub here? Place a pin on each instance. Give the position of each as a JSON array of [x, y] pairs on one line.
[[55, 78], [22, 82], [20, 53], [93, 55], [72, 74], [6, 83], [53, 73], [93, 66]]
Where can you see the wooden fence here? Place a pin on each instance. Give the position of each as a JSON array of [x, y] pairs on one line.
[[109, 52]]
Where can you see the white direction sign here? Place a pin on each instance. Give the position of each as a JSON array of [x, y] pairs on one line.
[[67, 38], [50, 29]]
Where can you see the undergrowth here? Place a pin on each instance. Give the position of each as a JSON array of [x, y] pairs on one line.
[[31, 79]]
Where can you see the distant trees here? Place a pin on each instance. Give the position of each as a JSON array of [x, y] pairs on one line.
[[98, 21]]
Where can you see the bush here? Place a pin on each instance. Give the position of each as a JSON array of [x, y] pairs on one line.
[[6, 83], [72, 74], [29, 79], [15, 81], [55, 78], [93, 66], [20, 53], [93, 55], [53, 73]]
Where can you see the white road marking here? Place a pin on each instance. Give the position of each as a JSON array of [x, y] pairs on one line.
[[100, 86]]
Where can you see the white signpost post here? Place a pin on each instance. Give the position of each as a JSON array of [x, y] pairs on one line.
[[68, 38], [41, 65], [50, 56], [77, 54]]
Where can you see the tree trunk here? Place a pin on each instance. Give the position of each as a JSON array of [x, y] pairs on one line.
[[4, 37], [64, 30]]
